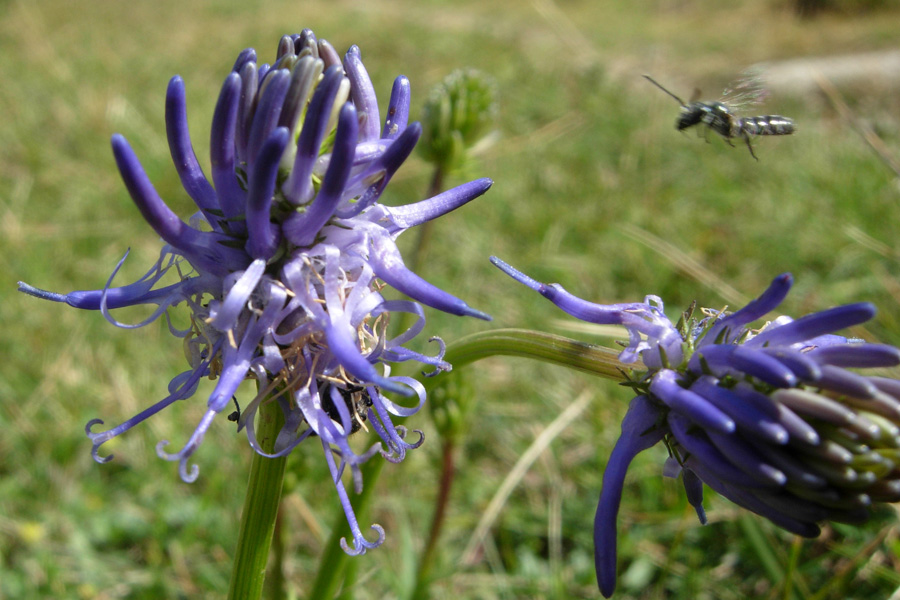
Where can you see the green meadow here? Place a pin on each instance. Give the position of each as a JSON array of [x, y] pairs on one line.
[[593, 189]]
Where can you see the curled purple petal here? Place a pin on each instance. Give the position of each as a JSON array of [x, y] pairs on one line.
[[388, 265], [360, 544], [188, 473], [247, 55], [747, 458], [640, 430], [341, 340], [298, 188], [285, 47], [755, 309], [139, 292], [181, 387], [816, 406], [263, 236], [398, 109], [846, 382], [224, 315], [568, 302], [745, 498], [204, 249], [882, 403], [693, 406], [268, 111], [759, 419], [303, 227], [262, 71], [797, 473], [192, 178], [363, 93], [816, 324], [801, 365], [652, 336], [693, 488], [862, 356], [304, 77], [328, 54], [695, 441], [246, 110], [381, 170], [222, 148], [724, 359], [411, 215]]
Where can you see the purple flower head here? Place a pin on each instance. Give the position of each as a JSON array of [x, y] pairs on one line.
[[280, 267], [771, 418]]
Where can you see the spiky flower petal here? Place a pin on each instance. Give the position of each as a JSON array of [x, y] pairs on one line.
[[770, 418], [279, 268]]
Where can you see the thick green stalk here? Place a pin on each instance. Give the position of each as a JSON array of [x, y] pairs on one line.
[[260, 510], [545, 347]]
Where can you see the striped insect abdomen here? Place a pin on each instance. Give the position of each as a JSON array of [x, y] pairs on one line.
[[767, 125]]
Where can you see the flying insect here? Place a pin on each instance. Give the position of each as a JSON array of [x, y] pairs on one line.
[[719, 116]]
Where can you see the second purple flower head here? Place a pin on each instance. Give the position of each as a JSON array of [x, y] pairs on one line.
[[771, 418]]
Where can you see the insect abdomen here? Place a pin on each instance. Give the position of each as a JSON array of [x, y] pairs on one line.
[[767, 125]]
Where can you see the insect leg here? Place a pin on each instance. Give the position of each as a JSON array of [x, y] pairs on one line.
[[722, 131], [749, 145]]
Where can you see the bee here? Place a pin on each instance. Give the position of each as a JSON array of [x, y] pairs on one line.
[[235, 417], [719, 116], [355, 397]]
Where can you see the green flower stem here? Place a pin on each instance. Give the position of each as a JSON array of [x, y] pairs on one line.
[[275, 585], [545, 347], [260, 510]]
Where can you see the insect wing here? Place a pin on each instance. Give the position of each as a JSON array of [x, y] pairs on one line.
[[747, 91]]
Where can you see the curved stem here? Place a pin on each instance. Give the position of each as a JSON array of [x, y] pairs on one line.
[[545, 347], [260, 510], [334, 569]]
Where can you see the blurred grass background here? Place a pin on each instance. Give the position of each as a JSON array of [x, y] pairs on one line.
[[593, 189]]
